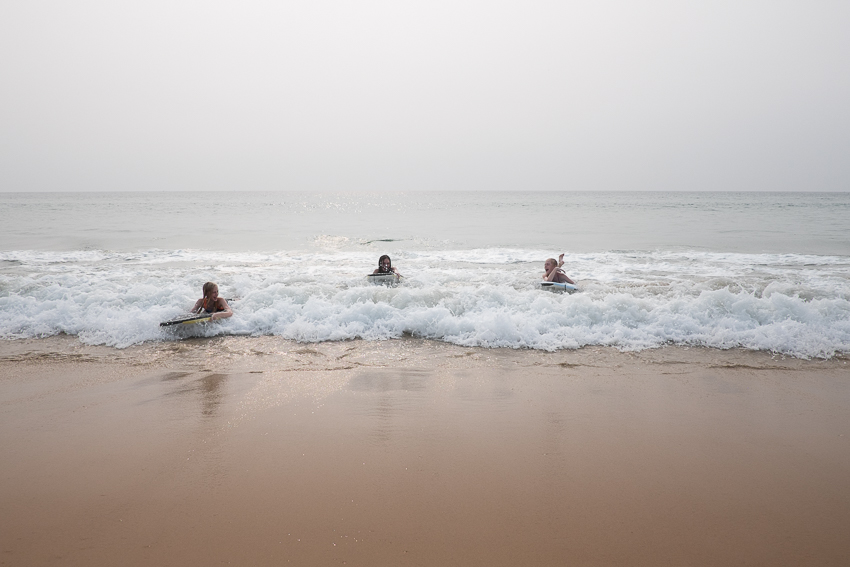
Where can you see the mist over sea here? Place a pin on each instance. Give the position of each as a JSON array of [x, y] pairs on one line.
[[761, 271]]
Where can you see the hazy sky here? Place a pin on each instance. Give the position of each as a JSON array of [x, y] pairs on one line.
[[366, 95]]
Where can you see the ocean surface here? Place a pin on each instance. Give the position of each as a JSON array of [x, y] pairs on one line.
[[760, 271]]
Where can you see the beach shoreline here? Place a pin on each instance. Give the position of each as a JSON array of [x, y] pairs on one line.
[[259, 450]]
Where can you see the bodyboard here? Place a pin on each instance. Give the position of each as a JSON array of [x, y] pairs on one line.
[[187, 319], [556, 286], [383, 279]]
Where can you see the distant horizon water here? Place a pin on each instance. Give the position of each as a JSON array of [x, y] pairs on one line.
[[363, 191], [755, 270]]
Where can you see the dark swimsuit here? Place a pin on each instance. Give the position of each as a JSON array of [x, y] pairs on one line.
[[207, 310]]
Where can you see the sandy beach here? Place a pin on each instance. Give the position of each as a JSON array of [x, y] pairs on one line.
[[262, 451]]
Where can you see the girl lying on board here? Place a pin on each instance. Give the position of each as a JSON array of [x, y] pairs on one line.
[[385, 266], [212, 303], [554, 273]]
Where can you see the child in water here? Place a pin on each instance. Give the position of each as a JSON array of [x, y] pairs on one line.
[[385, 266], [212, 303], [554, 273]]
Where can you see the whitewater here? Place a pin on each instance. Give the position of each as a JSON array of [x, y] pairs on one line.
[[674, 288]]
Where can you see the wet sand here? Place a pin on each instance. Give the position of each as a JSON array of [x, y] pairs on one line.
[[259, 451]]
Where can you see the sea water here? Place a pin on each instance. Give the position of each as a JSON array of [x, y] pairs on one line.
[[762, 271]]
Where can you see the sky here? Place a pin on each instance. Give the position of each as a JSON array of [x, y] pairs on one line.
[[370, 95]]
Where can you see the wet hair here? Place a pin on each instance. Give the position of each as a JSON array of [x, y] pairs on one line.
[[381, 263], [208, 287]]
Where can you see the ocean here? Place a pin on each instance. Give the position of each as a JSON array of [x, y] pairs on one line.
[[757, 271]]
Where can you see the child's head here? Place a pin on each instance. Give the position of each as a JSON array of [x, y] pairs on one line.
[[209, 289], [550, 264], [384, 263]]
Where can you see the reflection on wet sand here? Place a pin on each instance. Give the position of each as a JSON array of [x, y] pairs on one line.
[[396, 391], [211, 392], [210, 388], [389, 380], [171, 376]]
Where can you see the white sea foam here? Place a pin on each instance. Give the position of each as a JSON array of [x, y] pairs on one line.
[[792, 304]]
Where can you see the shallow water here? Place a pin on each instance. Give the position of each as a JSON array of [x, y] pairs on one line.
[[759, 271]]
